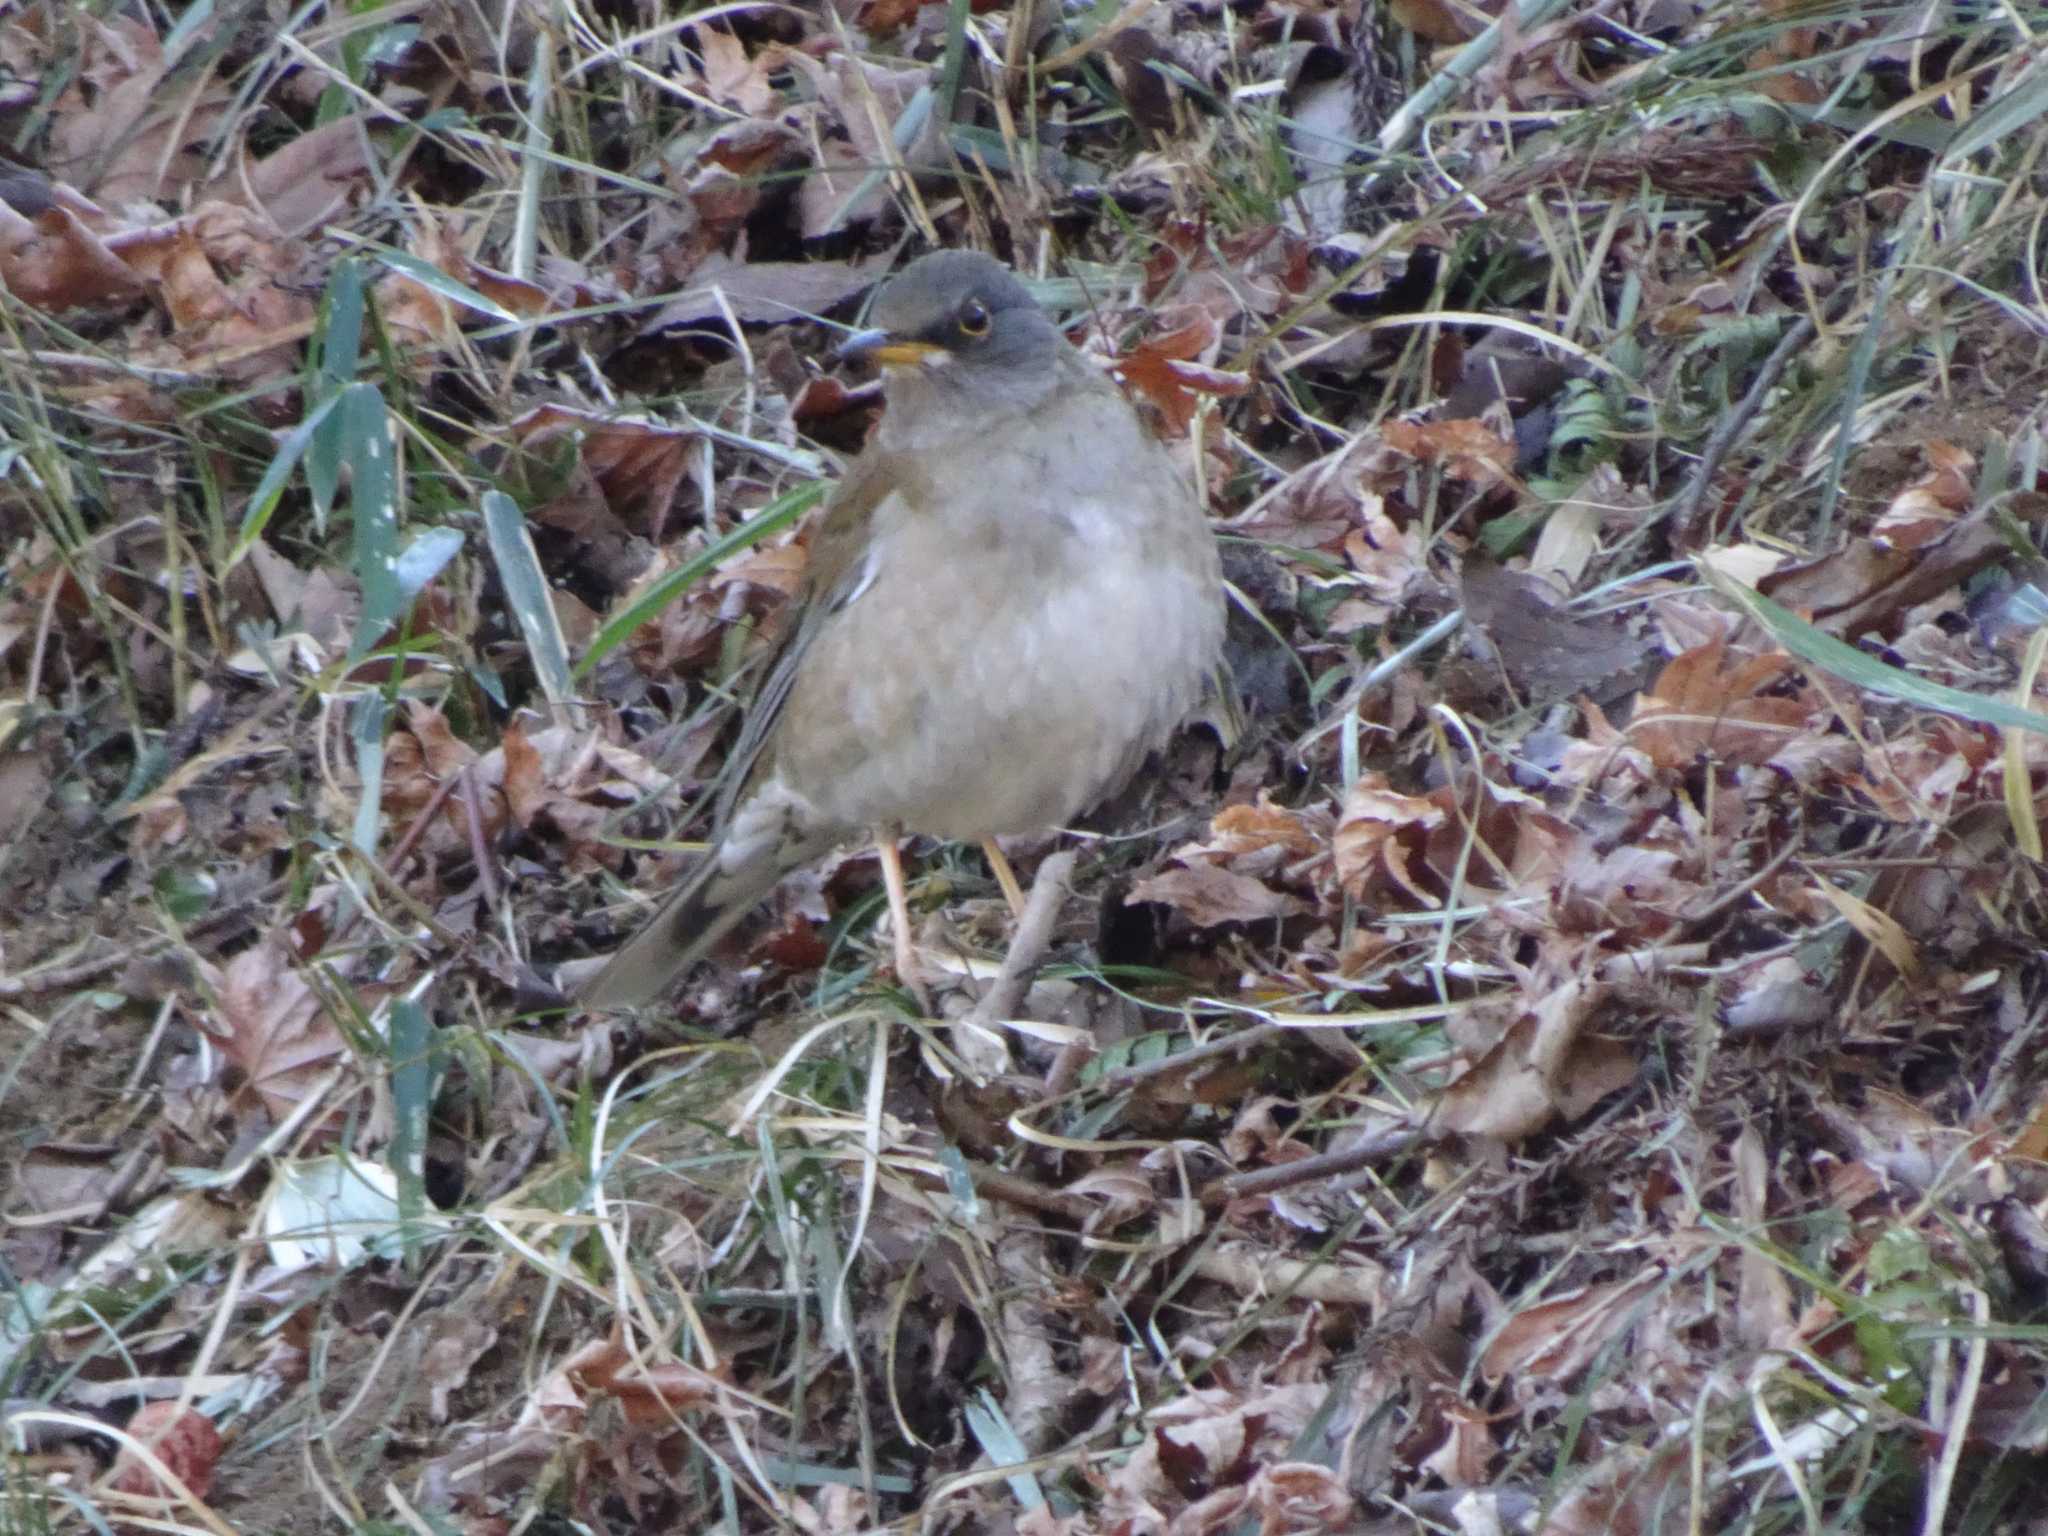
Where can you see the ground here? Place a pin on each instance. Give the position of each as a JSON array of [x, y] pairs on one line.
[[1553, 1045]]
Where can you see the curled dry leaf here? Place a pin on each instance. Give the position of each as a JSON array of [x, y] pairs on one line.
[[764, 292], [565, 784], [1379, 839], [638, 465], [122, 128], [1554, 1340], [1209, 896], [57, 261], [216, 274], [1925, 510], [864, 98], [455, 1342], [1172, 369], [540, 792], [184, 1440], [1443, 22], [1627, 1490], [1764, 1310], [309, 181], [1116, 1195], [1547, 1064], [419, 759], [1209, 1436], [1301, 1496], [727, 74], [1467, 450], [1925, 543], [651, 1392], [1546, 650], [1387, 564]]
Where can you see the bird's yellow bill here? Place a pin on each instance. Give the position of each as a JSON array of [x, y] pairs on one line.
[[903, 354], [878, 346]]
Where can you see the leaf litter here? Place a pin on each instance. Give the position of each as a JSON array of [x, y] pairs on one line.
[[1555, 1051]]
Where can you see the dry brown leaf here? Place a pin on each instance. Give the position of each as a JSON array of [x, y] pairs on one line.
[[57, 261], [1468, 1444], [1554, 1340], [652, 1393], [184, 1440], [731, 78], [1627, 1492], [455, 1342], [1116, 1194], [1699, 707], [1240, 830], [1443, 22], [1209, 896], [637, 464], [1379, 837], [1467, 450], [543, 799], [765, 292], [1388, 560], [420, 758], [1167, 370], [864, 98], [308, 182], [122, 129], [1546, 1065], [882, 17], [1547, 651], [1929, 508], [1922, 548], [1763, 1311], [272, 1027]]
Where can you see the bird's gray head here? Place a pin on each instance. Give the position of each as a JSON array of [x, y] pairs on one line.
[[957, 326]]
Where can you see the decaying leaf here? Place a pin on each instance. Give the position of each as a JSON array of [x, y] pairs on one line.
[[273, 1027], [1170, 371], [1702, 705], [1548, 1064], [182, 1438]]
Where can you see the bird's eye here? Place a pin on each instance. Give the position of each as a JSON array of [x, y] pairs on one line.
[[974, 318]]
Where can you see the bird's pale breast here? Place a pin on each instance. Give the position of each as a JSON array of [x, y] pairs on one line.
[[960, 701]]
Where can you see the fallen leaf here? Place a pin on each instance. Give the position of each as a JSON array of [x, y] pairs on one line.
[[1208, 896], [1468, 450], [184, 1440], [1699, 707], [273, 1027], [1546, 1065], [1380, 834], [1554, 1340], [1167, 370]]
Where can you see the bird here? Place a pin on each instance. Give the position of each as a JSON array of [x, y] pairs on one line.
[[1012, 598]]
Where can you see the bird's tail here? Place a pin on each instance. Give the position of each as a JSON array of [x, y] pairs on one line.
[[768, 837]]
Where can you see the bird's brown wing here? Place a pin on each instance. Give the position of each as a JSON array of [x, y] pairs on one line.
[[835, 574], [760, 832]]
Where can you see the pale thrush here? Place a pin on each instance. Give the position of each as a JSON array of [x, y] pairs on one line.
[[1013, 596]]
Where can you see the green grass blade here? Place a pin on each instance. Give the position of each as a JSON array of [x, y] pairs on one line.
[[526, 588], [1822, 650], [777, 515]]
